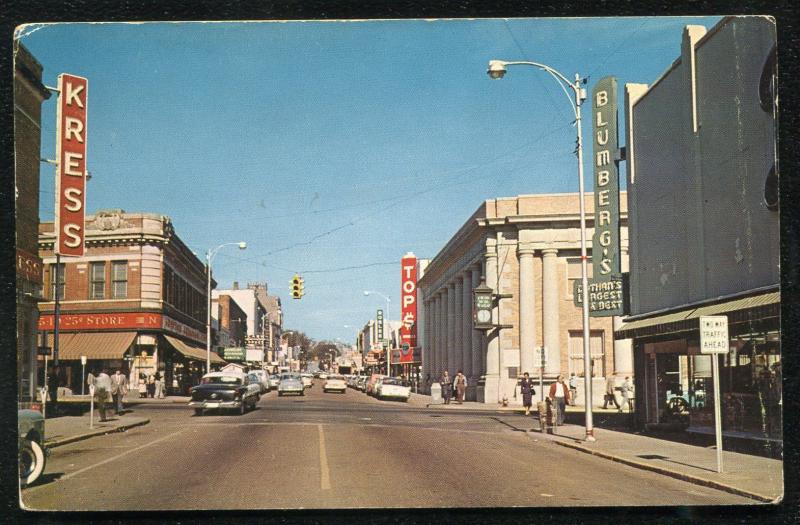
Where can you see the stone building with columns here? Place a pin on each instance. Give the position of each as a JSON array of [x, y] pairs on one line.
[[527, 249]]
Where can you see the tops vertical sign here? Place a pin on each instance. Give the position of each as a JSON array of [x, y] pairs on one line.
[[408, 307], [71, 162], [606, 240]]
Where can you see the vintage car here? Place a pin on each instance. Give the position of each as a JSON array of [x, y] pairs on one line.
[[370, 385], [32, 452], [307, 379], [274, 379], [291, 384], [394, 388], [361, 383], [263, 378], [334, 384], [225, 390]]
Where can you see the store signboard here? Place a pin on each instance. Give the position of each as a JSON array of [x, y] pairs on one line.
[[379, 321], [105, 321], [71, 132], [408, 307], [233, 354], [607, 297], [714, 335]]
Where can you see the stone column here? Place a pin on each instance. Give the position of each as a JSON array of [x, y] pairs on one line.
[[443, 330], [623, 349], [477, 350], [527, 314], [437, 336], [466, 325], [550, 307], [492, 336], [451, 328], [426, 345], [458, 324]]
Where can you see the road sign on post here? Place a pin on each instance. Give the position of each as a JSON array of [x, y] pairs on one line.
[[714, 340]]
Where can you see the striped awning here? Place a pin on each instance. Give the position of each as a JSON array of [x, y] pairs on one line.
[[94, 345], [193, 352], [692, 313]]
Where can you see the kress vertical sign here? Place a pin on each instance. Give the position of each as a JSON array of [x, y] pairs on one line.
[[408, 307], [71, 164], [606, 241]]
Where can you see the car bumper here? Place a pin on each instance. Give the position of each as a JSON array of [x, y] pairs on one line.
[[215, 404], [335, 387], [290, 390]]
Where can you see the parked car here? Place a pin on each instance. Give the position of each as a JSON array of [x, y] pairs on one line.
[[274, 379], [32, 452], [393, 388], [370, 385], [263, 379], [335, 383], [323, 375], [307, 379], [225, 390], [291, 384], [361, 383]]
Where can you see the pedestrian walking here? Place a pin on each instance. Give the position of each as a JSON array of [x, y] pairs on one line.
[[559, 395], [161, 386], [151, 385], [573, 388], [460, 383], [102, 392], [526, 388], [119, 387], [610, 397], [447, 387], [53, 382], [627, 391], [142, 386]]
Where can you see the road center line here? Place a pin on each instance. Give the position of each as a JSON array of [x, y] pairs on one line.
[[108, 460], [325, 479]]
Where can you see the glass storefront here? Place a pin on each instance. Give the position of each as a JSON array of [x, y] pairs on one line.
[[680, 389]]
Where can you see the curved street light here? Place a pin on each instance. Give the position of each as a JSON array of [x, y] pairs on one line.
[[209, 259], [497, 70]]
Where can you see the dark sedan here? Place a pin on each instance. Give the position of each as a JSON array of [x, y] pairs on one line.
[[225, 391]]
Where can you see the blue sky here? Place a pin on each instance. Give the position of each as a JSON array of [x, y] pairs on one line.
[[332, 148]]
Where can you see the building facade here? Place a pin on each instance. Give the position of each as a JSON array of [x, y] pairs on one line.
[[29, 94], [263, 320], [705, 233], [527, 249], [135, 301]]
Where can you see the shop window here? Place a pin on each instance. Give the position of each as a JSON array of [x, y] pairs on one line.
[[57, 287], [97, 280], [596, 349], [119, 277]]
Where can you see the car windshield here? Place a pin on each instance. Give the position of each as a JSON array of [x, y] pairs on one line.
[[335, 378], [393, 381], [288, 376], [221, 380]]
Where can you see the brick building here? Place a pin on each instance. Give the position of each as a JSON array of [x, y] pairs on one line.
[[528, 247], [136, 300], [232, 321], [29, 93]]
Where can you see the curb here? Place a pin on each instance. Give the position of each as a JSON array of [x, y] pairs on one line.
[[99, 432], [671, 473]]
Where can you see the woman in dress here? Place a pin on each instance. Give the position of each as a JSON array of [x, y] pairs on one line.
[[526, 388]]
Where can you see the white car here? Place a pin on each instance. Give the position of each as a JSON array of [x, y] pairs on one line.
[[290, 384], [274, 379], [335, 383], [392, 387], [263, 379], [307, 379], [323, 375]]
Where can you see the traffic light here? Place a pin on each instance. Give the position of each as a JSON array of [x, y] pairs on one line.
[[297, 287]]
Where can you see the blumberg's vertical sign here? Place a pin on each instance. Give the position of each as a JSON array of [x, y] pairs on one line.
[[408, 312], [71, 162], [605, 289]]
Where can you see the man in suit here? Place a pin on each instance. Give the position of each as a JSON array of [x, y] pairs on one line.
[[119, 387]]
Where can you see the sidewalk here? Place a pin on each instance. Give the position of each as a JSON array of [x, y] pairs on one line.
[[747, 475], [68, 429], [133, 399]]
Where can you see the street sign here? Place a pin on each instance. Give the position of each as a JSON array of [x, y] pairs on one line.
[[83, 359], [714, 335], [44, 350], [540, 356]]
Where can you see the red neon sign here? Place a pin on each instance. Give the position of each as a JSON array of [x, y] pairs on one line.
[[408, 308]]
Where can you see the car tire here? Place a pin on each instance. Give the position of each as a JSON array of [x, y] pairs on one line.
[[198, 411], [243, 407], [32, 459]]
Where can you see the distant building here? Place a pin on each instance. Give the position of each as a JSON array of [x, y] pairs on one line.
[[528, 248], [29, 93], [264, 319], [705, 231], [136, 300]]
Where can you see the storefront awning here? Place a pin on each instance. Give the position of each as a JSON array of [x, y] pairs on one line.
[[192, 352], [678, 320], [94, 345]]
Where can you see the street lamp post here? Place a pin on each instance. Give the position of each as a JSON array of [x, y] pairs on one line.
[[209, 259], [497, 69], [385, 331]]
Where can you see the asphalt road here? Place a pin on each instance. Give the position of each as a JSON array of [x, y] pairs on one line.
[[341, 451]]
